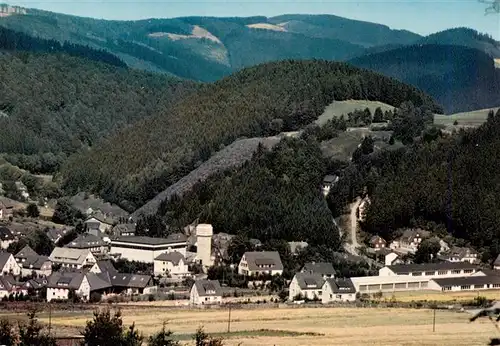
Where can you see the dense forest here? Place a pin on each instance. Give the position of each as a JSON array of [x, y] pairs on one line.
[[52, 105], [258, 101], [459, 78], [448, 184], [17, 41]]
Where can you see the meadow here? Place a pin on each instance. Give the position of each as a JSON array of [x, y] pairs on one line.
[[337, 108], [473, 118], [302, 325]]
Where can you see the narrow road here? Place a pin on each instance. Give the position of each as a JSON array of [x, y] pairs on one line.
[[354, 223]]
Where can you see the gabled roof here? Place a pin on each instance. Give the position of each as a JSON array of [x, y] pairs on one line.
[[127, 280], [36, 283], [309, 281], [6, 234], [407, 268], [106, 266], [175, 257], [121, 228], [4, 257], [96, 282], [377, 239], [207, 288], [321, 268], [25, 252], [330, 179], [70, 256], [85, 241], [34, 262], [460, 252], [341, 285], [410, 234], [265, 258], [70, 280]]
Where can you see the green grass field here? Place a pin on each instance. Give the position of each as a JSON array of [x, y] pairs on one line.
[[473, 118], [337, 108]]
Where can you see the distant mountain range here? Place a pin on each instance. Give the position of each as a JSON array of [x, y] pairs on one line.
[[209, 48]]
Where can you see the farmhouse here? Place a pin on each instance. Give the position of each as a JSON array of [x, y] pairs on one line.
[[123, 230], [31, 262], [103, 267], [306, 285], [72, 258], [60, 283], [88, 241], [206, 292], [465, 283], [8, 264], [338, 290], [260, 262], [146, 249], [326, 270], [410, 240], [430, 270], [129, 283], [460, 254], [9, 285], [377, 242], [98, 223], [6, 237], [173, 263]]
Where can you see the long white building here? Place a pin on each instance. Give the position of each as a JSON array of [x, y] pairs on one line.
[[146, 249], [431, 270]]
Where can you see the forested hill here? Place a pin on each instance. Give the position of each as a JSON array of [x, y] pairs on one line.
[[17, 41], [459, 78], [209, 48], [454, 183], [58, 104], [263, 100]]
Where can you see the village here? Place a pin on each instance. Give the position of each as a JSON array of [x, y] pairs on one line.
[[177, 267]]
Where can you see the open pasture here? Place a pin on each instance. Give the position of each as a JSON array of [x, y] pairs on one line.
[[303, 326]]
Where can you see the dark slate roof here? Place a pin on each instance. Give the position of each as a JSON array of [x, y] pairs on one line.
[[330, 178], [256, 258], [34, 262], [126, 280], [25, 252], [322, 268], [96, 282], [377, 239], [65, 280], [341, 285], [6, 234], [4, 257], [407, 268], [173, 257], [309, 281], [468, 280], [85, 241], [36, 283], [173, 238], [208, 288], [106, 266]]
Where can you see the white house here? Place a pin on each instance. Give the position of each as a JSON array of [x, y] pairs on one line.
[[391, 258], [146, 249], [338, 290], [8, 264], [306, 285], [328, 182], [60, 283], [72, 258], [31, 262], [430, 270], [461, 254], [325, 269], [410, 240], [9, 285], [260, 262], [206, 292], [171, 263]]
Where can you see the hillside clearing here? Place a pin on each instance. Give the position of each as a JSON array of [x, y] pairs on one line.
[[337, 108], [267, 26], [331, 326], [473, 118]]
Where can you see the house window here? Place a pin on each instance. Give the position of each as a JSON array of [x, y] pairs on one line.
[[478, 286], [430, 273], [446, 288], [496, 285], [465, 287], [416, 274], [442, 272], [456, 271], [468, 271]]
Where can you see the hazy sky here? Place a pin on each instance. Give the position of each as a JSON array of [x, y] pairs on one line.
[[422, 16]]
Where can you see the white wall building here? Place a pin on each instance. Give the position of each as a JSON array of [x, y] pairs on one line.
[[72, 258], [8, 264], [204, 233], [171, 263], [146, 249], [59, 285], [307, 285], [465, 283], [430, 270], [260, 263], [206, 292], [338, 290]]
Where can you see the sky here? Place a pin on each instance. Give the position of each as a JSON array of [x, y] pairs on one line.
[[420, 16]]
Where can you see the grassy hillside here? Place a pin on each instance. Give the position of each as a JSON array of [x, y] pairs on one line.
[[472, 118], [53, 103], [259, 101], [209, 48], [338, 108], [460, 78]]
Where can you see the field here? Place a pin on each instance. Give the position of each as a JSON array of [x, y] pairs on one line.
[[474, 118], [439, 296], [303, 326], [337, 108]]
